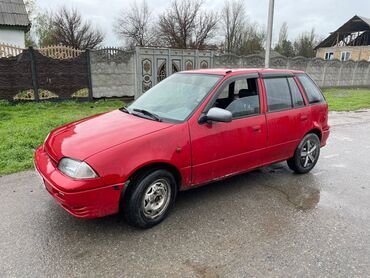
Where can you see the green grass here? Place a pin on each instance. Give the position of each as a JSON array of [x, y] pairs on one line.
[[24, 126], [341, 99]]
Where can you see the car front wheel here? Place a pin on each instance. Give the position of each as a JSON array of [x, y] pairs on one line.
[[306, 155], [150, 197]]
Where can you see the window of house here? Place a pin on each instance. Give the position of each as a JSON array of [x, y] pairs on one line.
[[345, 55], [313, 93], [240, 97], [296, 93], [278, 94], [329, 56]]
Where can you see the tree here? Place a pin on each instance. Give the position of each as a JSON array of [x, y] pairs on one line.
[[43, 29], [136, 25], [305, 43], [233, 19], [68, 29], [284, 46], [283, 34], [185, 25], [253, 40], [30, 8]]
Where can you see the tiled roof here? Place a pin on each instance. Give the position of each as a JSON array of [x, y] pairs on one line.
[[13, 13]]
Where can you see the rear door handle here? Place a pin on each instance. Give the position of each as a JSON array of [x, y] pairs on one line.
[[256, 128], [304, 118]]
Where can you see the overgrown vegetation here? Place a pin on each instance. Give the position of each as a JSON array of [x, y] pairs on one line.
[[24, 126]]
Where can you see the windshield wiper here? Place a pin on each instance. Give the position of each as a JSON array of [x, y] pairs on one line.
[[147, 113], [124, 109]]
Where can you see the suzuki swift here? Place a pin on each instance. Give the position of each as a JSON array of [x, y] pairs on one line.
[[193, 128]]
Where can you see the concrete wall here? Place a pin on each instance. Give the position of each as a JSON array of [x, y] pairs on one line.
[[325, 73], [113, 73], [13, 37], [358, 53], [119, 73]]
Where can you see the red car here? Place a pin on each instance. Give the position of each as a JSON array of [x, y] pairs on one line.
[[192, 128]]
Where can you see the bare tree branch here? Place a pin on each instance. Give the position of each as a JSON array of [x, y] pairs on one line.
[[135, 25], [70, 30], [234, 21], [184, 25]]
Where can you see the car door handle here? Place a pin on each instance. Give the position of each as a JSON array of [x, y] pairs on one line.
[[256, 128], [304, 118]]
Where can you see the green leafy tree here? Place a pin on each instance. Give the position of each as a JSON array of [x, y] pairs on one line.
[[284, 46], [43, 29], [253, 40], [305, 43], [30, 8]]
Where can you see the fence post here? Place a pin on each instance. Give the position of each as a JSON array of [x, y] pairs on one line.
[[35, 84], [89, 80]]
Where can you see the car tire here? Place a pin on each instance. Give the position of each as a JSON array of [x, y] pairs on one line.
[[306, 154], [149, 198]]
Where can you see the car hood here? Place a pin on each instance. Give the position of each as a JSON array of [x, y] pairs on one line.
[[84, 138]]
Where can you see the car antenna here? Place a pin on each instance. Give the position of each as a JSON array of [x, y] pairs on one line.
[[229, 70]]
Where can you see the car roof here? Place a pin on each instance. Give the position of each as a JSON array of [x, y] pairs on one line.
[[239, 71]]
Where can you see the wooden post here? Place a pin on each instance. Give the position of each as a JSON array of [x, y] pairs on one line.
[[89, 79], [34, 73]]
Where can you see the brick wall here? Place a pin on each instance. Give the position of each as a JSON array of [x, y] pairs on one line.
[[358, 53]]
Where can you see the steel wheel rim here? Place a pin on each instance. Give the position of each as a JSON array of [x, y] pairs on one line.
[[156, 198], [309, 153]]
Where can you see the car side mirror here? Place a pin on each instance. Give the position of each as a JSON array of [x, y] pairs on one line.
[[217, 115]]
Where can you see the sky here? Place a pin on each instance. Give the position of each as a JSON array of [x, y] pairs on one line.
[[301, 15]]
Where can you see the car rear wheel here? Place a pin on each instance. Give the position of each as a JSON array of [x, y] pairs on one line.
[[149, 198], [306, 155]]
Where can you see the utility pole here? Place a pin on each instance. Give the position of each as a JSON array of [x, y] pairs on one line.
[[269, 33]]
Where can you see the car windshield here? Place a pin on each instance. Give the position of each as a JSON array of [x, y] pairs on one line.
[[176, 97]]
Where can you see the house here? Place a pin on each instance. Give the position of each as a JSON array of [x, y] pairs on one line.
[[14, 22], [350, 42]]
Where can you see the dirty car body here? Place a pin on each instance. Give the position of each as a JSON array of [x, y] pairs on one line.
[[193, 128]]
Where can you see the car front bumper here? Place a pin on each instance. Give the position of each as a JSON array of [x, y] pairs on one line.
[[88, 203]]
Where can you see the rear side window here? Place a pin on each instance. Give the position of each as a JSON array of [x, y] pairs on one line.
[[312, 91], [296, 93], [278, 94]]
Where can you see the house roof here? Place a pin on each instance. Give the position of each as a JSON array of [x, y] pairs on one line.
[[355, 24], [13, 14]]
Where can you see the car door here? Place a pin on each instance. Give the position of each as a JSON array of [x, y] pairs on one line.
[[221, 149], [287, 116]]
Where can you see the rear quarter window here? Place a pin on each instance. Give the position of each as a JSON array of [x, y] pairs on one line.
[[296, 94], [313, 93]]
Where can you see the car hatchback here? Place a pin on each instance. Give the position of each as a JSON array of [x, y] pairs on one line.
[[193, 128]]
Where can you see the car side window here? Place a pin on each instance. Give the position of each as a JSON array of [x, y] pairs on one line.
[[278, 94], [296, 93], [243, 99], [313, 93]]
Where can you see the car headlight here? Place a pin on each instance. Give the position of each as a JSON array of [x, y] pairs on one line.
[[76, 169]]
